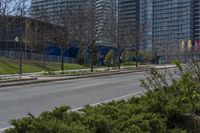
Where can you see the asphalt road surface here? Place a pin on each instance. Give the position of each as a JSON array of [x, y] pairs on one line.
[[16, 102]]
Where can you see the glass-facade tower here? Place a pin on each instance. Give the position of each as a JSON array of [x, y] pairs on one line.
[[197, 20], [173, 23], [128, 21], [146, 12]]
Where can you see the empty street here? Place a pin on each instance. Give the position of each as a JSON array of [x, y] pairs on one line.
[[16, 102]]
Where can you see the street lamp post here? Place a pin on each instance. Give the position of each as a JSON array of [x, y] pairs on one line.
[[20, 58]]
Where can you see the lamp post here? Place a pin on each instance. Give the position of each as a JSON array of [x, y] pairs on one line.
[[20, 58]]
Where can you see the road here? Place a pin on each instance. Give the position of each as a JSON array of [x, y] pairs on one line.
[[16, 102]]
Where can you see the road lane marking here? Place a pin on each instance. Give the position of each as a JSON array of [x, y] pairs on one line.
[[94, 104], [110, 100]]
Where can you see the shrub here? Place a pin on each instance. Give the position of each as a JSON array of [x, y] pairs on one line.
[[109, 58]]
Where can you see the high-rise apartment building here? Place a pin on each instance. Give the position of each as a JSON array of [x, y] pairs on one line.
[[53, 8], [162, 27], [173, 24], [146, 19], [106, 21], [197, 20], [105, 10], [128, 21]]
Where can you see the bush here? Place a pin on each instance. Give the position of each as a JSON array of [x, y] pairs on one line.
[[109, 59], [129, 63]]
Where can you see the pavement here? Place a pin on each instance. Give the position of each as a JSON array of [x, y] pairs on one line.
[[35, 78], [36, 74], [16, 102]]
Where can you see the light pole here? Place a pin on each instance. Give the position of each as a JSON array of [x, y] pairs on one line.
[[20, 58]]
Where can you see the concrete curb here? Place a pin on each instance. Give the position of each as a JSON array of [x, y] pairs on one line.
[[17, 80], [19, 83], [63, 79]]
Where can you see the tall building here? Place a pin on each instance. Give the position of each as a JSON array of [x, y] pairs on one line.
[[173, 24], [106, 21], [52, 8], [146, 19], [128, 21], [105, 9], [197, 20]]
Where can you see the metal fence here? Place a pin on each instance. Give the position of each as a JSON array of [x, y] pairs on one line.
[[35, 56]]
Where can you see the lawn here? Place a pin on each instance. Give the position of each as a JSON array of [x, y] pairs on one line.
[[8, 66]]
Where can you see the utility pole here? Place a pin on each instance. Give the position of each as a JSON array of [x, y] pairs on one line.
[[116, 32], [20, 43]]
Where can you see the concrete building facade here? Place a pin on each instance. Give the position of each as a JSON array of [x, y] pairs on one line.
[[106, 22], [105, 10], [51, 8]]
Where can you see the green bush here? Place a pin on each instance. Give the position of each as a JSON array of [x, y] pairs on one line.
[[109, 59], [129, 63]]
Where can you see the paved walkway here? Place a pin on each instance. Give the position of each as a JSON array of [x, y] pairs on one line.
[[38, 74]]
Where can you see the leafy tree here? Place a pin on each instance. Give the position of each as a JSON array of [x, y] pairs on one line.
[[109, 58]]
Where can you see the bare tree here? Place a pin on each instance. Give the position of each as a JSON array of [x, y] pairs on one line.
[[131, 36], [60, 31], [78, 32], [109, 30], [6, 10], [91, 33], [21, 12], [72, 24]]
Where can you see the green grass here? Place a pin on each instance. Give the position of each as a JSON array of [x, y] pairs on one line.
[[129, 63], [8, 66]]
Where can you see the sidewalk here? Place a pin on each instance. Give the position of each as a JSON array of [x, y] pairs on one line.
[[35, 74], [35, 78], [25, 75]]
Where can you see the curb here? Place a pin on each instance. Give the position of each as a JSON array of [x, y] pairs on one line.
[[17, 80], [63, 79], [73, 78]]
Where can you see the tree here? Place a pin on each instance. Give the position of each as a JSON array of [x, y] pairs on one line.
[[147, 56], [78, 32], [130, 39], [109, 59], [20, 13], [91, 32], [6, 10], [75, 23], [81, 53], [110, 29], [71, 23]]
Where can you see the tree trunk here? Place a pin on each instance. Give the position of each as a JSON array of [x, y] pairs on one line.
[[43, 56], [3, 39], [92, 58], [62, 58], [118, 58], [92, 62], [20, 58], [136, 58]]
